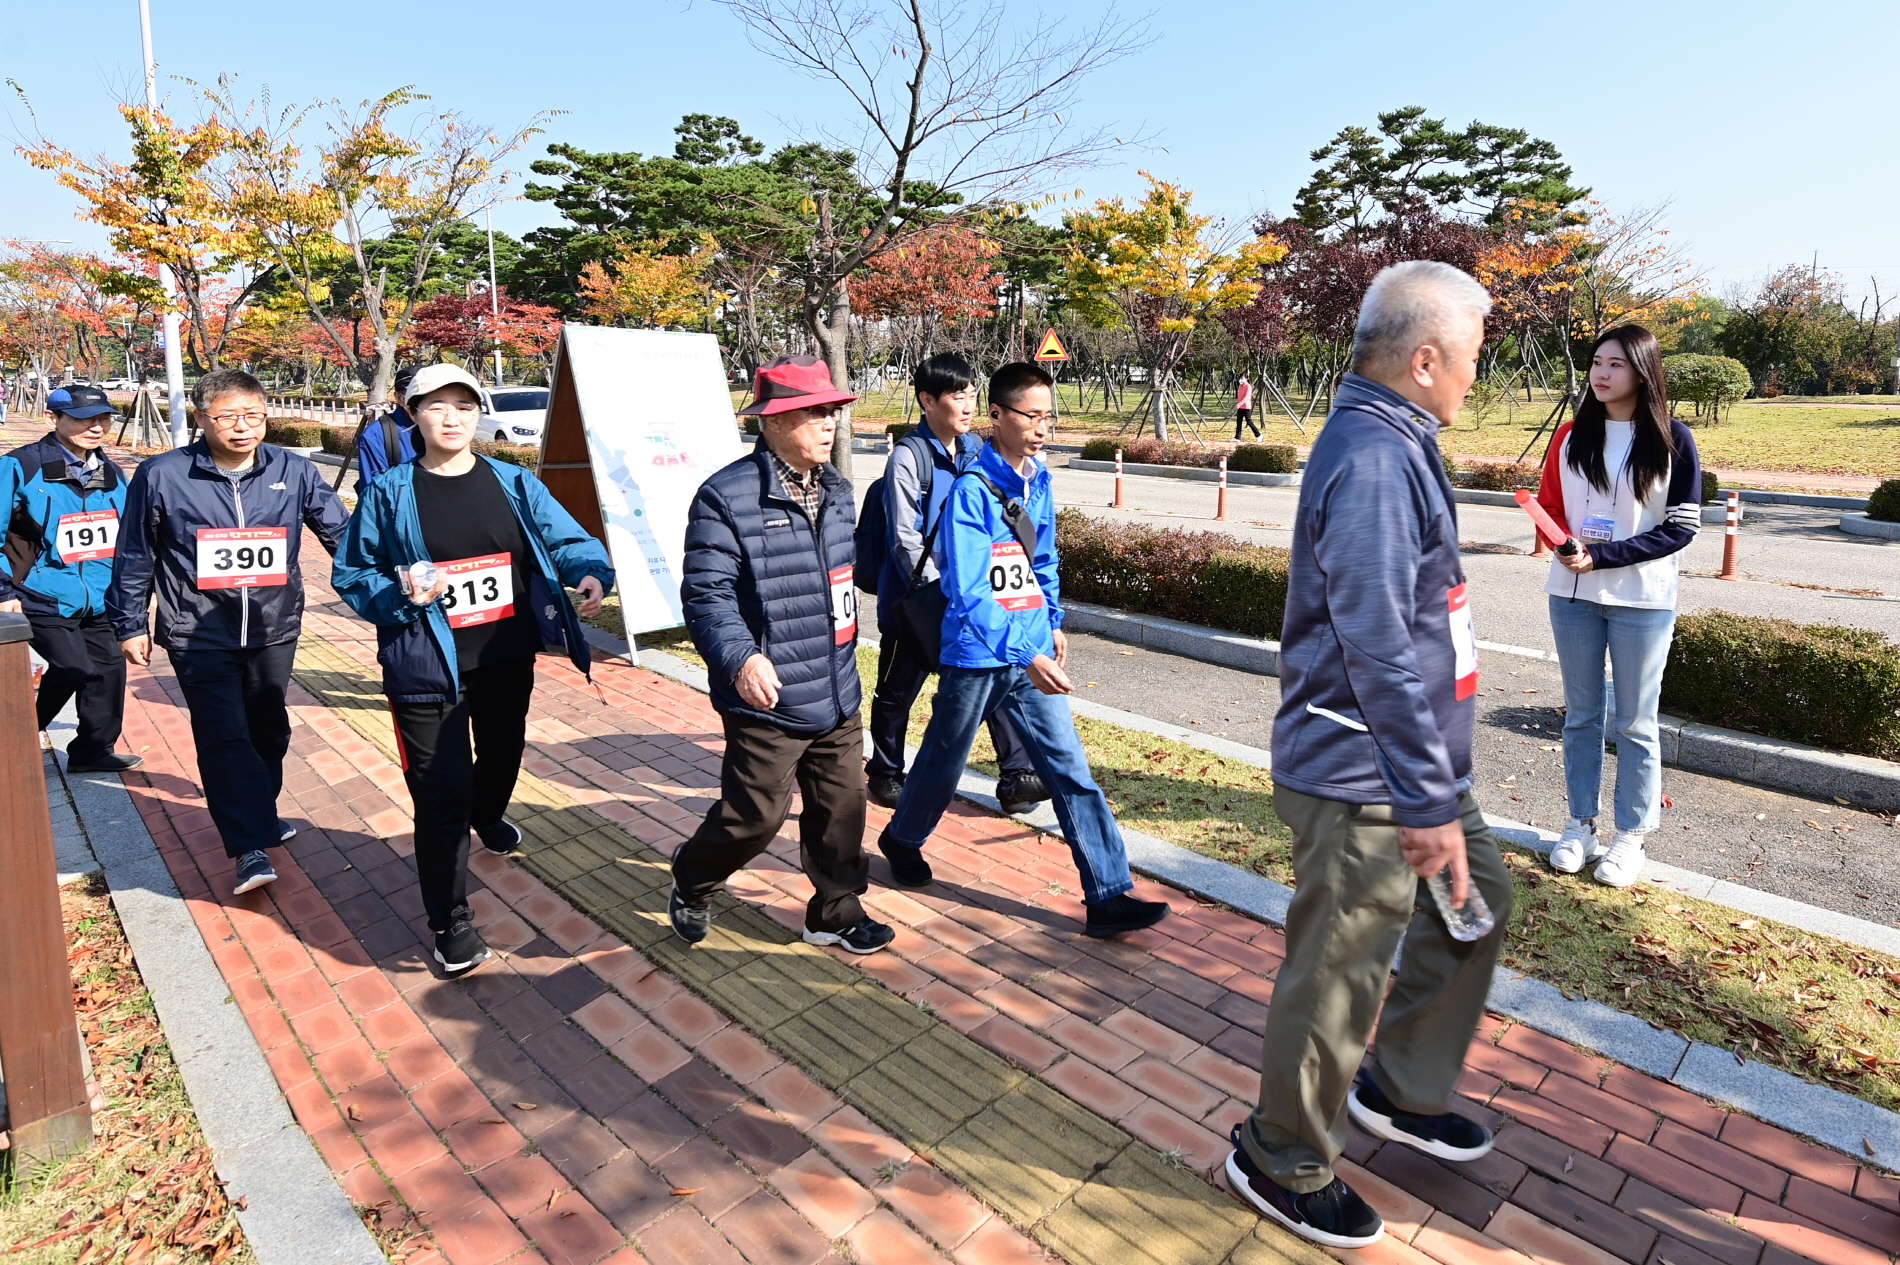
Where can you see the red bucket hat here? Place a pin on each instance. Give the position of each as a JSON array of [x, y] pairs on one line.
[[793, 382]]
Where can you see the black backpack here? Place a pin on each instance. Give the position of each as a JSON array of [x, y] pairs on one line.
[[872, 540]]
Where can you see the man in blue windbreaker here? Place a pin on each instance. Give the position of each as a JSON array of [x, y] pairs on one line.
[[1003, 648], [62, 497]]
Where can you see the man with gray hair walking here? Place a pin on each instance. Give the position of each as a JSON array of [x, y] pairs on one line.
[[1372, 772]]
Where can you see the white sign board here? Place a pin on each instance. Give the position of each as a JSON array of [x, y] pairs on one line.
[[658, 420]]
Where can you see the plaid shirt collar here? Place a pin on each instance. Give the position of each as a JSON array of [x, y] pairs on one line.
[[807, 489]]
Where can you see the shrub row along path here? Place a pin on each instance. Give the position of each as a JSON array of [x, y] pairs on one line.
[[995, 1088]]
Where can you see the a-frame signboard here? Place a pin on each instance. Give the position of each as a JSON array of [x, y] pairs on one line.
[[637, 419]]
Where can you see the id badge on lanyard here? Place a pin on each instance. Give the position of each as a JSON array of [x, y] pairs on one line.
[[1464, 643]]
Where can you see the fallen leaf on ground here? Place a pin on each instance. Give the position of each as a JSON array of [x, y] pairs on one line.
[[493, 1120], [687, 1190]]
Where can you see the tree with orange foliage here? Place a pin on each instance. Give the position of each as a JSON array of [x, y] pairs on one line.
[[940, 275], [645, 288]]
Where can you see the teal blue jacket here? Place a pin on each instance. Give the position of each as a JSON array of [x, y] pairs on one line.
[[35, 492], [416, 644]]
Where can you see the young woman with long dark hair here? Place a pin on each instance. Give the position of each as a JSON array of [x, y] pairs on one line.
[[1625, 480]]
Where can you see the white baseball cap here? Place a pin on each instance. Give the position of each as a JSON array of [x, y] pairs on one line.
[[435, 377]]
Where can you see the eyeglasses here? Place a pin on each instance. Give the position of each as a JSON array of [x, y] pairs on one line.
[[1040, 419], [442, 408], [238, 421]]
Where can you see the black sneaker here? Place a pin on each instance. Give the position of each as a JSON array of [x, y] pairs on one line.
[[862, 936], [908, 867], [460, 949], [884, 788], [285, 831], [1447, 1137], [1019, 792], [110, 762], [501, 838], [253, 871], [1123, 913], [690, 922], [1332, 1216]]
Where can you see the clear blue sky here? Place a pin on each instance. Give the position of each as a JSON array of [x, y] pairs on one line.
[[1772, 127]]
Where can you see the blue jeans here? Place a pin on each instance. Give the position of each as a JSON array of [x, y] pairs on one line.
[[964, 697], [1637, 641]]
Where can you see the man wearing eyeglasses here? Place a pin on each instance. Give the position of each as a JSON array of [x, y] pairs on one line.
[[1003, 649], [212, 533]]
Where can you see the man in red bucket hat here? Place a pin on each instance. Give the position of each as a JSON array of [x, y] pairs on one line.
[[769, 601]]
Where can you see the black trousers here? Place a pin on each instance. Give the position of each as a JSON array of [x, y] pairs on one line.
[[762, 764], [1243, 417], [82, 658], [456, 788], [242, 729], [900, 678]]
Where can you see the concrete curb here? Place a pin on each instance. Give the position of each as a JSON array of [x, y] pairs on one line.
[[296, 1212], [1198, 474], [1829, 1116], [1804, 498], [1699, 748], [1858, 524]]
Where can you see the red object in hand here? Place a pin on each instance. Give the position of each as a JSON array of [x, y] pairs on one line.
[[1545, 522]]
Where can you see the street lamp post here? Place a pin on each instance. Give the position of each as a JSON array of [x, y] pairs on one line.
[[494, 294], [174, 356]]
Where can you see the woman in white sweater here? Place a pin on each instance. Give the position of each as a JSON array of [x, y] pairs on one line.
[[1625, 480]]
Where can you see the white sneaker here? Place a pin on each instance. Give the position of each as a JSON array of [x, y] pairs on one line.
[[1623, 863], [1578, 846]]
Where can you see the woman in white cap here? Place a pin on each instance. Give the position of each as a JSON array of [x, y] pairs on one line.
[[462, 563]]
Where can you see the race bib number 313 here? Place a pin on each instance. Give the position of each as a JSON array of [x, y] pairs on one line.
[[87, 537], [1464, 643], [243, 557], [481, 590], [1012, 579]]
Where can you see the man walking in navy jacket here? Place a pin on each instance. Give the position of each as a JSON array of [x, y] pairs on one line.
[[770, 603], [1372, 772]]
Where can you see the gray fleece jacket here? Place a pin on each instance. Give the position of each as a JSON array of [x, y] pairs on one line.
[[1378, 669]]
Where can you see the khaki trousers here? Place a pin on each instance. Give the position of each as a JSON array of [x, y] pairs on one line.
[[1354, 900]]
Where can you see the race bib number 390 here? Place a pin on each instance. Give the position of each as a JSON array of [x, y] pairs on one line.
[[1464, 643], [243, 557], [844, 607], [481, 590], [86, 537], [1012, 579]]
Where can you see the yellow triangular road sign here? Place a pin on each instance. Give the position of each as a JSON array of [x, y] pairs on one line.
[[1052, 348]]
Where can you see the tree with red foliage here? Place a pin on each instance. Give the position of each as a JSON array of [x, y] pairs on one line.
[[942, 275], [465, 324]]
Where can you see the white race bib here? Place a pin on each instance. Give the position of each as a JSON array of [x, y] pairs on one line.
[[844, 606], [481, 590], [86, 537], [1012, 579], [243, 557], [1464, 643]]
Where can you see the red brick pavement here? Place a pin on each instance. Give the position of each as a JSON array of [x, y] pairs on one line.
[[561, 1094]]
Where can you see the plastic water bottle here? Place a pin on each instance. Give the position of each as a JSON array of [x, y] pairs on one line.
[[1473, 920], [420, 577]]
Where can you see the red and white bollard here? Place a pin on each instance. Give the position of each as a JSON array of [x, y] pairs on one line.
[[1117, 503], [1220, 507], [1730, 543]]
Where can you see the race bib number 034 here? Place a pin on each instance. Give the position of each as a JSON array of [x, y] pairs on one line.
[[243, 557], [1012, 579], [1464, 643], [844, 606], [86, 537], [481, 590]]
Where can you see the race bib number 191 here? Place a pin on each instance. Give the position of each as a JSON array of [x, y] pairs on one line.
[[1464, 643], [844, 606], [481, 590], [1012, 579], [243, 557], [86, 537]]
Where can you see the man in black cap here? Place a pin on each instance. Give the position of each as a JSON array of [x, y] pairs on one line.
[[61, 498]]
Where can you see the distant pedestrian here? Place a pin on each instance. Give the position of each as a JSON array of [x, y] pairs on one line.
[[213, 532], [1243, 409], [462, 563], [3, 401], [390, 440], [1003, 650], [1372, 771], [923, 466], [1625, 478], [770, 602]]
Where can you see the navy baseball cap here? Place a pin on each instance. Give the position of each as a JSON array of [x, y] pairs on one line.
[[81, 402]]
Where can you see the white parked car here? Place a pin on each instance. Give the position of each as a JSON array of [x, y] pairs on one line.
[[516, 414]]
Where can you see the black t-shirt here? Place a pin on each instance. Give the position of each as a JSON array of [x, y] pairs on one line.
[[469, 516]]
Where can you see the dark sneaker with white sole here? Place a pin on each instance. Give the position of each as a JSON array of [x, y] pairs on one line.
[[501, 838], [460, 949], [864, 936], [253, 871], [1332, 1216], [690, 922], [285, 831], [1447, 1137]]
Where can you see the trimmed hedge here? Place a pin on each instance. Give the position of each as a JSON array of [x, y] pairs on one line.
[[1100, 449], [514, 454], [339, 441], [1203, 577], [1265, 459], [1503, 476], [897, 430], [295, 434], [1821, 684], [1711, 488], [1883, 506]]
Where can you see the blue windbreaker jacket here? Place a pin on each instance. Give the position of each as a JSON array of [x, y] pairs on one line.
[[1003, 609], [35, 493], [1378, 666], [417, 646]]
